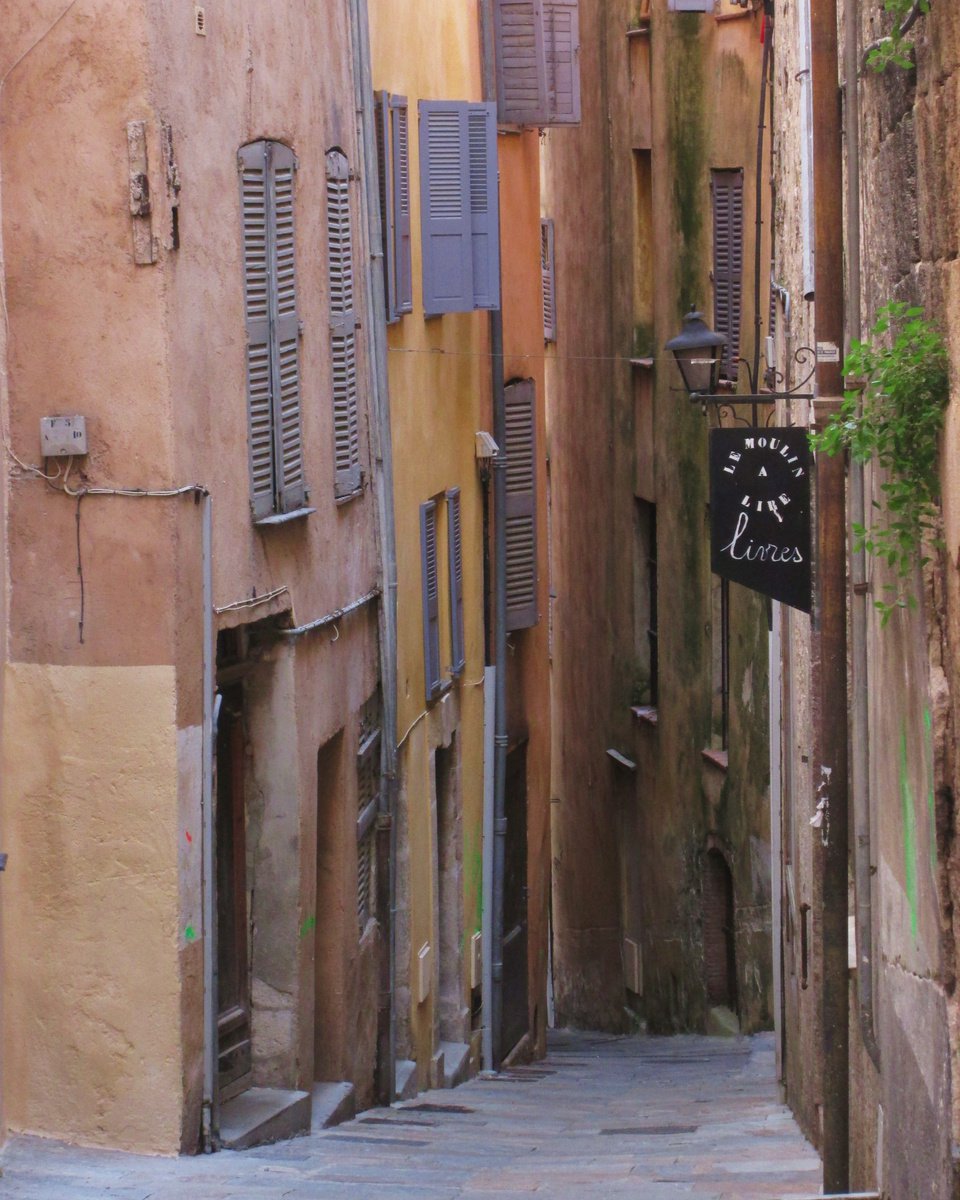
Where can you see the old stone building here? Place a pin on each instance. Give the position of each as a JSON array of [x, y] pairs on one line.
[[900, 234], [661, 828]]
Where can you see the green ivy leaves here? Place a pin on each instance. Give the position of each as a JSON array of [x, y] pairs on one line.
[[896, 422], [897, 49]]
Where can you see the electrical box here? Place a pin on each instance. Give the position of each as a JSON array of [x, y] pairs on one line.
[[61, 437]]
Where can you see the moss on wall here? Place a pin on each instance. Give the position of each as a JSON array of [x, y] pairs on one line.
[[686, 139]]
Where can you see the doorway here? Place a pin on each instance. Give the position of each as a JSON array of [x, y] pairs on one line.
[[515, 1015], [449, 890], [719, 942]]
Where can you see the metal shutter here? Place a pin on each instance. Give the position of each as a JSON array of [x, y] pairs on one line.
[[548, 281], [521, 521], [484, 205], [445, 208]]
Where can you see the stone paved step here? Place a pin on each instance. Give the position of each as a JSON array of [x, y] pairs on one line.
[[687, 1118]]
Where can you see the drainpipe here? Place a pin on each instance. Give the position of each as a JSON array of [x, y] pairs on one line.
[[830, 844], [860, 729], [210, 1111], [383, 478], [500, 595]]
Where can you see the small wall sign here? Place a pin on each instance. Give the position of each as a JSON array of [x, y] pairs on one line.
[[760, 511]]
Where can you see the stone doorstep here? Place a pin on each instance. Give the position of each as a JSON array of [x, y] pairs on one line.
[[333, 1103], [406, 1079], [456, 1063], [262, 1115]]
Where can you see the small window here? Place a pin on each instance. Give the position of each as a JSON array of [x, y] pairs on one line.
[[368, 802], [277, 482], [646, 682], [548, 281], [459, 206]]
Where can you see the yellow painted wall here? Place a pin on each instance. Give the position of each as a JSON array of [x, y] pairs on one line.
[[91, 1022], [439, 397]]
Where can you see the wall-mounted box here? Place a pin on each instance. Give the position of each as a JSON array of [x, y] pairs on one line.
[[61, 437]]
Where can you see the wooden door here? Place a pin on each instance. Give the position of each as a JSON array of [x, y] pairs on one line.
[[232, 920], [515, 1020]]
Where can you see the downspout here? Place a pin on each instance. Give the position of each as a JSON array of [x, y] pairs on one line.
[[382, 452], [860, 729], [500, 595], [831, 835], [210, 1111]]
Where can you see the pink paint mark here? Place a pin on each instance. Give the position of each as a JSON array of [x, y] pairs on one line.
[[189, 838]]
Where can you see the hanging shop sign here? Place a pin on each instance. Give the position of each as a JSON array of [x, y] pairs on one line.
[[760, 511]]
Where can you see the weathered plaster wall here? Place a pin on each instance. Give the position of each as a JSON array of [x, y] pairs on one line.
[[92, 1020], [639, 245], [907, 244]]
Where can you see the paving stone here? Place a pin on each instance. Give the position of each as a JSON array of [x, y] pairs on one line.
[[687, 1118]]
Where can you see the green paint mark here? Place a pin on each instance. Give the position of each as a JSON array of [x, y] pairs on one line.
[[909, 833], [931, 799], [308, 926], [190, 933]]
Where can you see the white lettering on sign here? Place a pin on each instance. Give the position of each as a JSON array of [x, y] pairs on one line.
[[828, 352], [743, 549]]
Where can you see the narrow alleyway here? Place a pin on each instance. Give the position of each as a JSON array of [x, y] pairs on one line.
[[648, 1118]]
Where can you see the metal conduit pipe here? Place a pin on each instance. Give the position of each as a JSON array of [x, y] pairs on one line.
[[382, 450], [859, 603], [500, 739], [210, 1118]]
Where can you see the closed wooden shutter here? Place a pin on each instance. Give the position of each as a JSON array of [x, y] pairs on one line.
[[484, 205], [431, 599], [460, 207], [548, 281], [385, 171], [521, 522], [400, 157], [455, 564], [561, 22], [445, 208], [368, 802], [727, 188], [272, 323], [343, 325], [521, 60]]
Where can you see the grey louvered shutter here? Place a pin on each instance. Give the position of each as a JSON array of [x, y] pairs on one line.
[[288, 437], [400, 138], [561, 38], [386, 167], [343, 327], [727, 189], [548, 281], [431, 599], [521, 513], [484, 205], [256, 300], [521, 62], [445, 216], [455, 563]]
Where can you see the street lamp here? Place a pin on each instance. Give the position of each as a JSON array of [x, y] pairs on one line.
[[698, 351]]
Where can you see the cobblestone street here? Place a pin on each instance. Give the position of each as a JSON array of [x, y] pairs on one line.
[[648, 1118]]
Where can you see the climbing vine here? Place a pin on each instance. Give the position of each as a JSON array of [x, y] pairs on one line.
[[896, 421], [897, 49]]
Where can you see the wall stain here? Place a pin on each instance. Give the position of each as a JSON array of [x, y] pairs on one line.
[[909, 832]]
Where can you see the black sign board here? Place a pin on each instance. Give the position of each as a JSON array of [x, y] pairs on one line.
[[760, 511]]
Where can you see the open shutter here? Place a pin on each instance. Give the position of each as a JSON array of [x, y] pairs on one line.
[[521, 512], [727, 189], [548, 281], [455, 562], [431, 599], [386, 166], [484, 205], [521, 61], [288, 436], [256, 300], [400, 155], [561, 37], [343, 326], [445, 207]]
